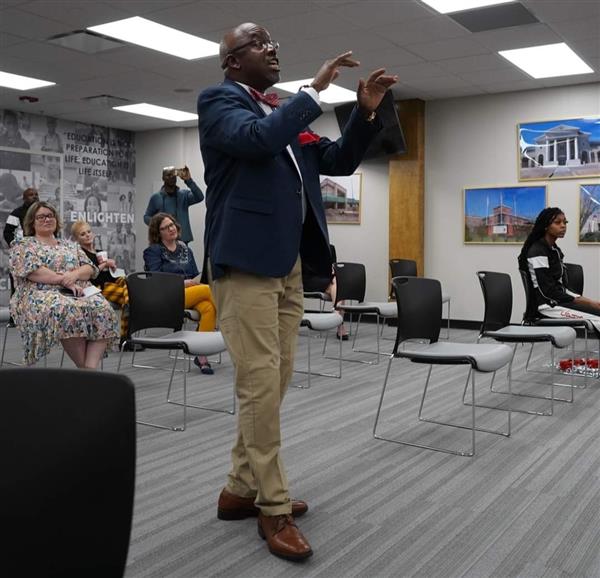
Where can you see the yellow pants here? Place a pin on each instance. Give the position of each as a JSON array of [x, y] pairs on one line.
[[199, 298]]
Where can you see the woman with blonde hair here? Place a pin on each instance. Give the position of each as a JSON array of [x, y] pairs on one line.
[[52, 300], [113, 288], [167, 253]]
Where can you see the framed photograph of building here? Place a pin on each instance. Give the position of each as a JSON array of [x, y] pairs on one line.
[[589, 213], [501, 215], [341, 197], [559, 149]]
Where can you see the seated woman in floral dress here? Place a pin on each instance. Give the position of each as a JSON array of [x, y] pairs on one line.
[[168, 254], [49, 304]]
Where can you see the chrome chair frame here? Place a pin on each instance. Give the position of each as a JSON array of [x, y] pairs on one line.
[[419, 317]]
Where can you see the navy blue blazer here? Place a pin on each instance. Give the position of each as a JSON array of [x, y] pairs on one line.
[[253, 190]]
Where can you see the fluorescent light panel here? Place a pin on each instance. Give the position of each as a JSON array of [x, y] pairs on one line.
[[333, 94], [446, 6], [21, 82], [154, 111], [148, 34], [547, 61]]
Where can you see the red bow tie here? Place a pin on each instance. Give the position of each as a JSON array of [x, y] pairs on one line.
[[272, 99]]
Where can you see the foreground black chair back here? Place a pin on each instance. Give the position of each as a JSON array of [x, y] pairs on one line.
[[148, 292], [498, 298], [574, 277], [419, 302], [67, 440]]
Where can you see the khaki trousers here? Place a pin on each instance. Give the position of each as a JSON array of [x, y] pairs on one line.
[[259, 318]]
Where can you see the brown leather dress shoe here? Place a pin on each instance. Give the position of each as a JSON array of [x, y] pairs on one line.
[[283, 537], [232, 507]]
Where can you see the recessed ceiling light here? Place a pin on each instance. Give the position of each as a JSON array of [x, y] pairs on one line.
[[331, 95], [21, 82], [445, 6], [143, 32], [154, 111], [547, 61]]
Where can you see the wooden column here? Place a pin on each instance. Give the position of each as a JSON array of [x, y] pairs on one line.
[[407, 187]]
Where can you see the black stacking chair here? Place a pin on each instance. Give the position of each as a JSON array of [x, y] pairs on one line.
[[419, 309], [68, 444], [351, 282], [575, 277], [321, 295], [532, 316], [497, 295], [319, 322], [156, 301], [408, 268]]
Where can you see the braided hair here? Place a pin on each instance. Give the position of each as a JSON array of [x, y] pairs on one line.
[[542, 222]]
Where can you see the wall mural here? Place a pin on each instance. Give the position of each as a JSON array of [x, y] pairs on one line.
[[87, 171]]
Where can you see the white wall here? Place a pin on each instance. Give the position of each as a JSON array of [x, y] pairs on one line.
[[366, 243], [472, 142]]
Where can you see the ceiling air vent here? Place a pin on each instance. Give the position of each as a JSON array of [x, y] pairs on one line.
[[105, 100], [85, 41], [494, 17]]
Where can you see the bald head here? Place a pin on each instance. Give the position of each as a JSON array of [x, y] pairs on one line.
[[30, 196], [248, 55]]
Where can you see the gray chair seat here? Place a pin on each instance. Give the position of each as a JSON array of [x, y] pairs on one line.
[[195, 342], [551, 322], [4, 314], [321, 321], [317, 295], [559, 336], [382, 308], [192, 314], [483, 357]]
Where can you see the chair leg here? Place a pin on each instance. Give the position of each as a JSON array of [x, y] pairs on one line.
[[185, 404], [473, 428], [552, 398], [308, 372], [470, 379]]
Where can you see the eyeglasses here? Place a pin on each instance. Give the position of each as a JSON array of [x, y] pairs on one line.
[[260, 45], [45, 217], [169, 226]]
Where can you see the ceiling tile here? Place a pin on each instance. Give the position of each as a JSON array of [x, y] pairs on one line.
[[562, 10], [29, 25], [423, 30], [443, 49], [511, 74], [512, 86], [379, 12], [471, 63], [78, 15]]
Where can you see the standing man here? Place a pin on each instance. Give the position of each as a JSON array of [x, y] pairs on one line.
[[264, 218], [14, 223], [15, 219], [175, 201]]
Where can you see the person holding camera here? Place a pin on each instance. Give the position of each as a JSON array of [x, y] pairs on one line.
[[175, 201]]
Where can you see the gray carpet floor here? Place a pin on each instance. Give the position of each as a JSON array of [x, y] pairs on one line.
[[524, 506]]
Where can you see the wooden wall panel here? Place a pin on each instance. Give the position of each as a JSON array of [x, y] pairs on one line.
[[407, 184]]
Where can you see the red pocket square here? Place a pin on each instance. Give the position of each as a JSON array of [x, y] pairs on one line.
[[308, 137]]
